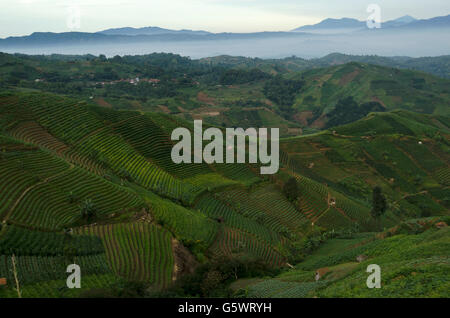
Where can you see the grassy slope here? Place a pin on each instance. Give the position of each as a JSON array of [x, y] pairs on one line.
[[414, 262]]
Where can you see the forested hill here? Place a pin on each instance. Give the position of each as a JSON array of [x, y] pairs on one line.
[[438, 66]]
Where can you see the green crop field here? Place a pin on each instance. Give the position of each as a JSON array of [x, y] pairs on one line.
[[137, 251], [86, 177]]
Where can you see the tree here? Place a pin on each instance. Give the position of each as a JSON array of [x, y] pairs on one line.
[[379, 204], [290, 189], [88, 209]]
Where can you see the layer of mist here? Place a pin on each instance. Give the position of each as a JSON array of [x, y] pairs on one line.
[[415, 43]]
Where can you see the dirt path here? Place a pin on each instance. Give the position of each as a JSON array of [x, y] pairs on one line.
[[410, 195], [11, 210]]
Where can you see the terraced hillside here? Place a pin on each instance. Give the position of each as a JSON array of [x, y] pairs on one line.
[[413, 259], [404, 153], [57, 168], [390, 87], [96, 186]]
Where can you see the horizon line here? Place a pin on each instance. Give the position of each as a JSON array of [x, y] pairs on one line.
[[204, 30]]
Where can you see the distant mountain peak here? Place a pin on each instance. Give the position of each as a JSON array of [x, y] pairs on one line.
[[406, 18], [330, 23], [340, 19], [150, 30]]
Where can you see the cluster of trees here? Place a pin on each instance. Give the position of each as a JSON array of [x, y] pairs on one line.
[[213, 279], [282, 92], [88, 210], [247, 103], [290, 189], [69, 74], [379, 203], [347, 111], [233, 76]]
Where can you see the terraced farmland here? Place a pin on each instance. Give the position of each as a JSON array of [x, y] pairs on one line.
[[279, 289], [187, 225], [222, 213], [235, 242], [99, 184], [48, 204], [267, 206], [22, 242], [136, 251]]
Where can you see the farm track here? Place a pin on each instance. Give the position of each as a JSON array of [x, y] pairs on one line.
[[410, 195], [11, 210]]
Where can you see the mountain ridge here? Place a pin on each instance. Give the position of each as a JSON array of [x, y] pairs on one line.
[[151, 30], [351, 24]]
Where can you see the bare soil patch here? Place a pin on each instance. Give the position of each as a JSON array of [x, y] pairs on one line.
[[204, 98], [184, 262], [303, 117], [103, 103], [349, 77]]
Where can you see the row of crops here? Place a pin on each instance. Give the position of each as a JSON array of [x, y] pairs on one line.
[[55, 204], [58, 288], [422, 155], [133, 145], [84, 161], [274, 288], [137, 251], [239, 172], [313, 197], [20, 241], [96, 146], [67, 120], [223, 213], [333, 219], [187, 225], [14, 183], [266, 205], [155, 144], [234, 242], [443, 176], [33, 133], [12, 111], [33, 269], [111, 150]]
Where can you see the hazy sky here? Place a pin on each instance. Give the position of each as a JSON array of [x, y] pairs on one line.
[[22, 17]]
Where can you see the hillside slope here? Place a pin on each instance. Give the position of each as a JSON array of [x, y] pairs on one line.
[[413, 258], [98, 187], [391, 88], [404, 153]]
